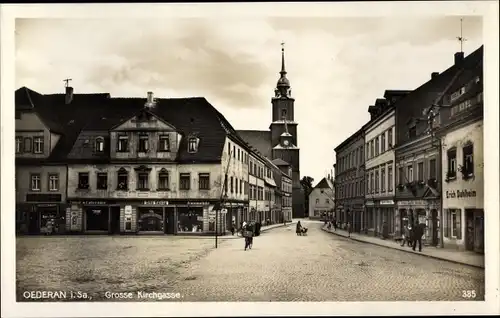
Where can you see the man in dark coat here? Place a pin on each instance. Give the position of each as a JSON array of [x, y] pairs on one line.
[[418, 232]]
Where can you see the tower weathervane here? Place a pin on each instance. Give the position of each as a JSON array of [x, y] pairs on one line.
[[67, 81], [460, 38]]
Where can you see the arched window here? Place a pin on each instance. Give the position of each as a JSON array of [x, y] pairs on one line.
[[99, 144], [122, 179]]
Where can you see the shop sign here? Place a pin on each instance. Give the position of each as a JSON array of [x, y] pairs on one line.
[[198, 203], [155, 202], [414, 202], [94, 202], [386, 202], [459, 194], [46, 205], [369, 203], [128, 211]]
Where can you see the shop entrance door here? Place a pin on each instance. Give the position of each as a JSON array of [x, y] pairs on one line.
[[34, 222], [469, 231], [114, 220], [170, 220], [479, 233], [434, 229]]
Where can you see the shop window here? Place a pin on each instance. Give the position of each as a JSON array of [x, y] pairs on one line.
[[19, 144], [102, 180], [204, 181], [143, 181], [122, 143], [99, 144], [193, 144], [53, 182], [143, 145], [184, 181], [190, 220], [27, 144], [35, 182], [163, 180], [38, 145], [452, 164], [468, 160], [122, 179], [150, 219], [164, 143], [454, 224], [83, 180]]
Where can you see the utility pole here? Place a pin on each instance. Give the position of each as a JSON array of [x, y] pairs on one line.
[[223, 188]]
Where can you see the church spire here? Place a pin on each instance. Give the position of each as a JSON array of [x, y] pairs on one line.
[[283, 71], [283, 86]]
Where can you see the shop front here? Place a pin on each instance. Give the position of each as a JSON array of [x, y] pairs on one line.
[[419, 212], [41, 214], [93, 216], [379, 212]]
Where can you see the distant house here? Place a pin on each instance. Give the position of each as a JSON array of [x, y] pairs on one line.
[[321, 199]]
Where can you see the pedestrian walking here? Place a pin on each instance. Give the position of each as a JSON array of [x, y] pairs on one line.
[[418, 232], [233, 228], [349, 229], [334, 223], [298, 228], [248, 233], [407, 235]]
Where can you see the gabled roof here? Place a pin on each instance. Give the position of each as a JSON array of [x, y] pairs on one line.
[[260, 139], [280, 162], [324, 184]]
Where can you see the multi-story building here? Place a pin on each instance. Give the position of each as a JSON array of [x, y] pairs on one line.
[[256, 181], [129, 165], [350, 181], [379, 164], [419, 188], [461, 137], [285, 185], [280, 141], [322, 199], [273, 192]]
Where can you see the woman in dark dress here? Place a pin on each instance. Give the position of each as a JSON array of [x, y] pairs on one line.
[[298, 229]]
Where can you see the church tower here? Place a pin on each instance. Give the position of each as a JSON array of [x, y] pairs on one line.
[[284, 140]]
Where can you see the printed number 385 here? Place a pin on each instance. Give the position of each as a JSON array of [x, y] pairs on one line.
[[468, 293]]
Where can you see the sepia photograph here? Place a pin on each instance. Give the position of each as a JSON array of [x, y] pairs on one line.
[[169, 155]]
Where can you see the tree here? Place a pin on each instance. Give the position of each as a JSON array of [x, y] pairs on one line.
[[307, 187]]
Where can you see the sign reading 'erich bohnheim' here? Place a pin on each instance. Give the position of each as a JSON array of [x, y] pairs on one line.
[[460, 194]]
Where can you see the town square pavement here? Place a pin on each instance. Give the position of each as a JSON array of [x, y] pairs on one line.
[[280, 267]]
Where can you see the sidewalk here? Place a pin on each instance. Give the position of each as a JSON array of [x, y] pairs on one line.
[[466, 258]]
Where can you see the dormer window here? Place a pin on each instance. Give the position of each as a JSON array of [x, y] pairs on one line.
[[38, 145], [99, 144], [122, 143], [143, 143], [164, 143], [193, 144]]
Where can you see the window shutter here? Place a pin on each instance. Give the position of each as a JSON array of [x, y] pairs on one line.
[[446, 224], [459, 224]]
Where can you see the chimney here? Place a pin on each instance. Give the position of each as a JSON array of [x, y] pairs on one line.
[[434, 75], [151, 101], [459, 57], [69, 95]]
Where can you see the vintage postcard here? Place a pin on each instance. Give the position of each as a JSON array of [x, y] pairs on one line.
[[249, 159]]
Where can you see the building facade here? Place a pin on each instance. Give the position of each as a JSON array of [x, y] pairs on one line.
[[129, 165], [322, 199], [286, 188], [258, 205], [281, 140], [461, 136], [350, 181]]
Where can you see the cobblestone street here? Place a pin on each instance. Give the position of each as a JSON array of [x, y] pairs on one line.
[[280, 267]]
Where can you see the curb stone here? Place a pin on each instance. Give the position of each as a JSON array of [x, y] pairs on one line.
[[407, 251]]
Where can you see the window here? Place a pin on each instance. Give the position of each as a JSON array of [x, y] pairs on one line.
[[143, 143], [53, 182], [27, 144], [455, 224], [204, 181], [432, 169], [83, 180], [229, 148], [412, 132], [377, 149], [185, 181], [382, 180], [236, 185], [102, 181], [468, 167], [317, 201], [19, 144], [122, 143], [38, 145], [99, 144], [35, 182], [163, 180], [234, 151], [231, 185], [372, 182], [241, 186], [410, 173], [452, 163], [389, 138], [142, 181], [389, 177], [164, 143], [367, 183], [283, 114], [368, 151], [238, 154], [122, 183], [382, 142], [401, 176], [225, 184], [420, 171], [193, 144], [372, 149], [376, 181]]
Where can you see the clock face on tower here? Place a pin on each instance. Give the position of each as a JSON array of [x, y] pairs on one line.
[[285, 142]]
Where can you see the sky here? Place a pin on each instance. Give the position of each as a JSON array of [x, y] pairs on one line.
[[337, 66]]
